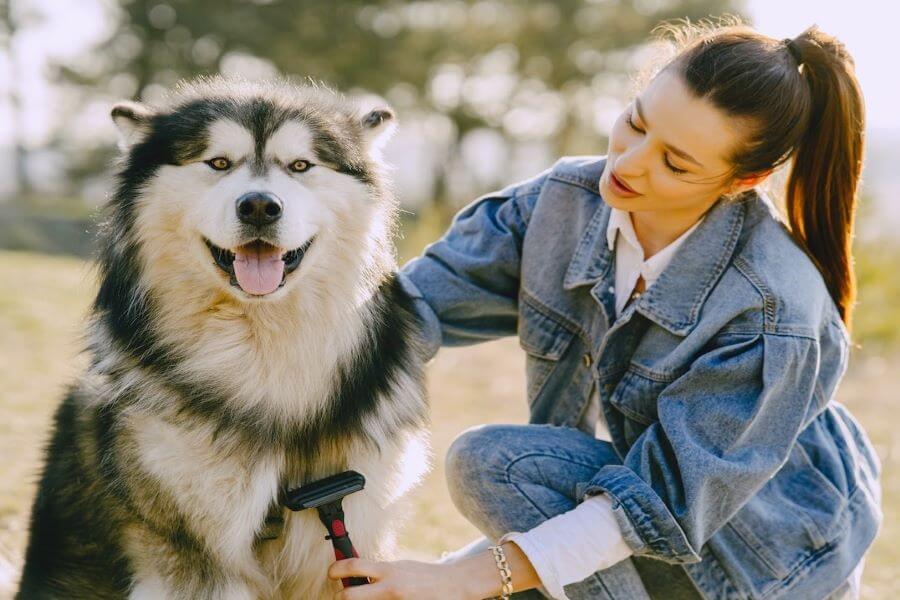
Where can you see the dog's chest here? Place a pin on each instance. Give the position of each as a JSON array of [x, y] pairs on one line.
[[228, 490], [224, 493], [297, 471], [222, 489]]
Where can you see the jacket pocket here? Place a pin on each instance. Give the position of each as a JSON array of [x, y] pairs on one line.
[[544, 341], [635, 396]]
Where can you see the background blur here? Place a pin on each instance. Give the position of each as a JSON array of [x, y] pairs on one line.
[[487, 92]]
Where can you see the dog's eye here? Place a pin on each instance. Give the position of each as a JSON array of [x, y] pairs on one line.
[[300, 165], [219, 163]]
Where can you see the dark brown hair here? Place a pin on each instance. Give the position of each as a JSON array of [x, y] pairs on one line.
[[796, 99]]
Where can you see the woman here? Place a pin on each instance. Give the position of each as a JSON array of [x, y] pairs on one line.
[[683, 348]]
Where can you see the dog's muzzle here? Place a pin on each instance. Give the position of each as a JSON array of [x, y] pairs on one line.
[[258, 267]]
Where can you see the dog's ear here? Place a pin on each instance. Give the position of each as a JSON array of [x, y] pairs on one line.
[[132, 119], [378, 125]]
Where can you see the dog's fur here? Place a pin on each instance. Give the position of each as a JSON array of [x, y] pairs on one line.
[[202, 402]]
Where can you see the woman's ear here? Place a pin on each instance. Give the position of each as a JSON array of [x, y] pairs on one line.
[[132, 120], [743, 184]]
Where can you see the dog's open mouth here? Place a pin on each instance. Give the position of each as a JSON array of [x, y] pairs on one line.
[[258, 268]]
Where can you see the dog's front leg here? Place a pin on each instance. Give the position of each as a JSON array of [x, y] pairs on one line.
[[180, 568]]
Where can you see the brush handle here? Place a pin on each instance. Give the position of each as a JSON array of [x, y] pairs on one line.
[[326, 495], [332, 517], [343, 548]]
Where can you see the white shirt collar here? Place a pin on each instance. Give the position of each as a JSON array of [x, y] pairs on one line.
[[652, 268]]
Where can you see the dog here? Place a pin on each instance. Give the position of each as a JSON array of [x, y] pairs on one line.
[[249, 335]]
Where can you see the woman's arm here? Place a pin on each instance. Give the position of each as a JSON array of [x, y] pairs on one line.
[[571, 546], [562, 550], [725, 428], [465, 286], [472, 578]]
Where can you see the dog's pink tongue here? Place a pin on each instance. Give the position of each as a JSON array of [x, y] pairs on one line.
[[258, 268]]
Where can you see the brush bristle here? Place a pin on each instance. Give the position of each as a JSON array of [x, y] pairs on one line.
[[325, 490]]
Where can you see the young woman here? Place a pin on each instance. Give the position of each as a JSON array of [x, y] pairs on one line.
[[683, 348]]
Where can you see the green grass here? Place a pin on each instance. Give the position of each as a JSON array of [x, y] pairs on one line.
[[43, 301]]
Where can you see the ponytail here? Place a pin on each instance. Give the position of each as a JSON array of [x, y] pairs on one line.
[[822, 186], [798, 99]]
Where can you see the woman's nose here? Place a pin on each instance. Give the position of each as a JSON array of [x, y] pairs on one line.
[[631, 161]]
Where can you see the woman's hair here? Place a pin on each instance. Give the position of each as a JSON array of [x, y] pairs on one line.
[[793, 99]]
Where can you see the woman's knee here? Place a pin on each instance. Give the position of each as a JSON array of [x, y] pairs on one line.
[[476, 469], [475, 464], [469, 454]]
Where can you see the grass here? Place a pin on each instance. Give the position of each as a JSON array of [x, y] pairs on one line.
[[42, 305]]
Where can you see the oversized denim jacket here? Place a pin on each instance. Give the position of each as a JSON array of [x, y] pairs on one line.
[[717, 384]]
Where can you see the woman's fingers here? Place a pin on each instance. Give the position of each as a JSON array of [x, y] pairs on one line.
[[374, 591], [354, 567]]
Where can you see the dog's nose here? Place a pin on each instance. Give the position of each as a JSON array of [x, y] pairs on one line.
[[258, 208]]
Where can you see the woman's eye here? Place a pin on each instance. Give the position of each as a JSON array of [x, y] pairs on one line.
[[632, 125], [669, 165], [673, 168], [299, 166], [219, 163]]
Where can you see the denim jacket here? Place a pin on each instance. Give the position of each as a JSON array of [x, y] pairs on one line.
[[717, 384]]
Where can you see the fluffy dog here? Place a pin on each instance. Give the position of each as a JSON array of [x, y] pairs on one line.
[[248, 336]]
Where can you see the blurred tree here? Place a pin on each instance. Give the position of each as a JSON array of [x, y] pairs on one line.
[[530, 70], [14, 19]]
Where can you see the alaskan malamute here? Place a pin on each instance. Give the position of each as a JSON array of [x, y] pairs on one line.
[[248, 336]]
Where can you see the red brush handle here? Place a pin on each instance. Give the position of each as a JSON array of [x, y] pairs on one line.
[[343, 548]]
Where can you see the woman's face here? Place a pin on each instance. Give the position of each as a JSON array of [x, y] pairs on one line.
[[670, 148]]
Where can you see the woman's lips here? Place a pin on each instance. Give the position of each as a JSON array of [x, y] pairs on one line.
[[620, 187]]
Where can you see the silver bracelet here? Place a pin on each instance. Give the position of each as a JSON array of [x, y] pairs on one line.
[[506, 587]]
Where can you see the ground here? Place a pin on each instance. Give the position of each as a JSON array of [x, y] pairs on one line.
[[42, 305]]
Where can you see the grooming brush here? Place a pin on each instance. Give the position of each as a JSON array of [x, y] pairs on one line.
[[326, 495]]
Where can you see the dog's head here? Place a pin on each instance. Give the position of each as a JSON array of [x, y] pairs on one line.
[[241, 185]]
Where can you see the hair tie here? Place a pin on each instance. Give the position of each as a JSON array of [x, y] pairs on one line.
[[794, 50]]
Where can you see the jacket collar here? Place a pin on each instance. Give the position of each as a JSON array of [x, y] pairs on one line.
[[675, 299]]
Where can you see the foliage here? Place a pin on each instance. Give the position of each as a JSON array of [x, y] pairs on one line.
[[876, 322], [530, 70]]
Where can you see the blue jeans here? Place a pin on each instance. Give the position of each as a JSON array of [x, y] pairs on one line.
[[506, 478]]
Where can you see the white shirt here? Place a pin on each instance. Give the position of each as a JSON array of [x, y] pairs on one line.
[[630, 263], [570, 547]]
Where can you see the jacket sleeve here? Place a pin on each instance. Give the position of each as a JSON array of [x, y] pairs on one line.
[[465, 286], [725, 427]]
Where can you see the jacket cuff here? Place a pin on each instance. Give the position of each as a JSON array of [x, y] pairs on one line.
[[647, 524], [430, 331]]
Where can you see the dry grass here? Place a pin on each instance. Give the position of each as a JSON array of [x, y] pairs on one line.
[[41, 310]]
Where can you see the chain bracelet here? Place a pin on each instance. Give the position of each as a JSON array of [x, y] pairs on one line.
[[506, 587]]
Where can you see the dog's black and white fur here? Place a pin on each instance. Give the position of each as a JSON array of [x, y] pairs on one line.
[[204, 401]]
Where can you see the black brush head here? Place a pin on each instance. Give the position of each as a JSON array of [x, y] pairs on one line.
[[324, 491]]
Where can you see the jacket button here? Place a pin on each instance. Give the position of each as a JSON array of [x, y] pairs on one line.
[[586, 359]]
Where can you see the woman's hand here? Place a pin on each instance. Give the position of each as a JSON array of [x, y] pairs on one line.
[[401, 580]]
